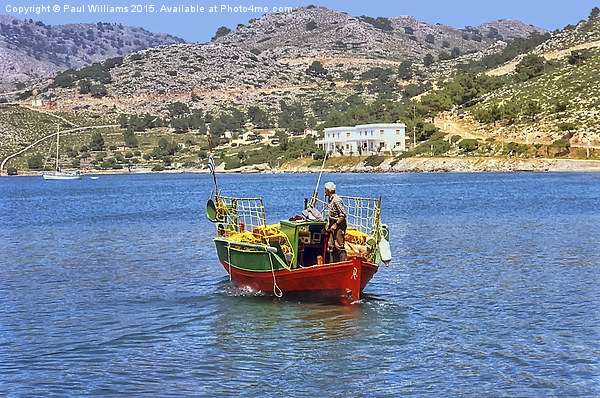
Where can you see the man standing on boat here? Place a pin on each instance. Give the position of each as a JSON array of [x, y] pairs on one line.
[[336, 224]]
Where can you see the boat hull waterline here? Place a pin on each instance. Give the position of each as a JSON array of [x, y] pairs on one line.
[[341, 282], [62, 176]]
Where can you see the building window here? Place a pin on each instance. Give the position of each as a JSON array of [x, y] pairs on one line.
[[347, 134], [397, 132]]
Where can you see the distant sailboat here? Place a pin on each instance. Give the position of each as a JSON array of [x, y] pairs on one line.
[[60, 175]]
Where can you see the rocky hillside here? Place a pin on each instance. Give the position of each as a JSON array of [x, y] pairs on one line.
[[207, 76], [31, 50], [555, 95], [267, 60], [317, 32], [314, 68], [198, 67], [585, 32]]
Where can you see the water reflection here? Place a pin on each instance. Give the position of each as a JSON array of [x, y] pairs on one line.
[[492, 291]]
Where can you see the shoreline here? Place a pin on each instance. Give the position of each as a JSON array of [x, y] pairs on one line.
[[408, 165]]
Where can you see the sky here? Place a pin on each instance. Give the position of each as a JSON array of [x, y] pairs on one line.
[[201, 23]]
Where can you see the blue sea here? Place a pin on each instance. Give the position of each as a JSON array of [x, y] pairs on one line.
[[112, 287]]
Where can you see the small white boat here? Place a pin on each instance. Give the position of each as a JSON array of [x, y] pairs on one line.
[[60, 175], [94, 178]]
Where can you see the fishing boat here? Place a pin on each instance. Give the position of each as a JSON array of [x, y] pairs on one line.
[[58, 174], [290, 259]]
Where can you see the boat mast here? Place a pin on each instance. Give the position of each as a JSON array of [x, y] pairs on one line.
[[315, 196], [57, 146]]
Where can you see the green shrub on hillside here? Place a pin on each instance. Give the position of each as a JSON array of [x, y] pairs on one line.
[[24, 95], [109, 163], [468, 144], [316, 69], [379, 22], [434, 148], [514, 48], [35, 162], [98, 90], [562, 146], [531, 66], [374, 160], [97, 142], [232, 163]]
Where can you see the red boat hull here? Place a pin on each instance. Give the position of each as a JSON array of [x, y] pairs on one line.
[[343, 281]]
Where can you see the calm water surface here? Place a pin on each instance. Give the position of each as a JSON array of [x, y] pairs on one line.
[[112, 288]]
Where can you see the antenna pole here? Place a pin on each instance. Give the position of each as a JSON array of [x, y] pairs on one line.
[[313, 201]]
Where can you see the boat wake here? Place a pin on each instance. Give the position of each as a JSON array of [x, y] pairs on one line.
[[243, 291]]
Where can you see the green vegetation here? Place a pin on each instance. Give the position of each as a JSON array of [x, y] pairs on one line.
[[531, 66], [382, 82], [379, 22], [97, 142], [428, 60], [98, 72], [405, 71], [287, 149], [374, 160], [35, 162], [433, 147], [514, 48], [292, 117], [468, 145], [316, 69], [562, 146], [222, 31], [556, 97]]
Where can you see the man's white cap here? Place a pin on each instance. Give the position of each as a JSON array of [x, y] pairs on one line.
[[330, 186]]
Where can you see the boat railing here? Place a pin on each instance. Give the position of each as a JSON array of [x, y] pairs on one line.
[[240, 214], [363, 225], [363, 214], [242, 221]]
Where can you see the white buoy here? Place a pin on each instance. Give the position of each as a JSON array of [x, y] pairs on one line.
[[385, 251]]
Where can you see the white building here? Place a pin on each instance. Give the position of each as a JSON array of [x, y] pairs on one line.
[[370, 138]]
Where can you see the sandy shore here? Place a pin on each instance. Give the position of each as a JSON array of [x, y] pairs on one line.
[[468, 165], [409, 165], [493, 165]]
